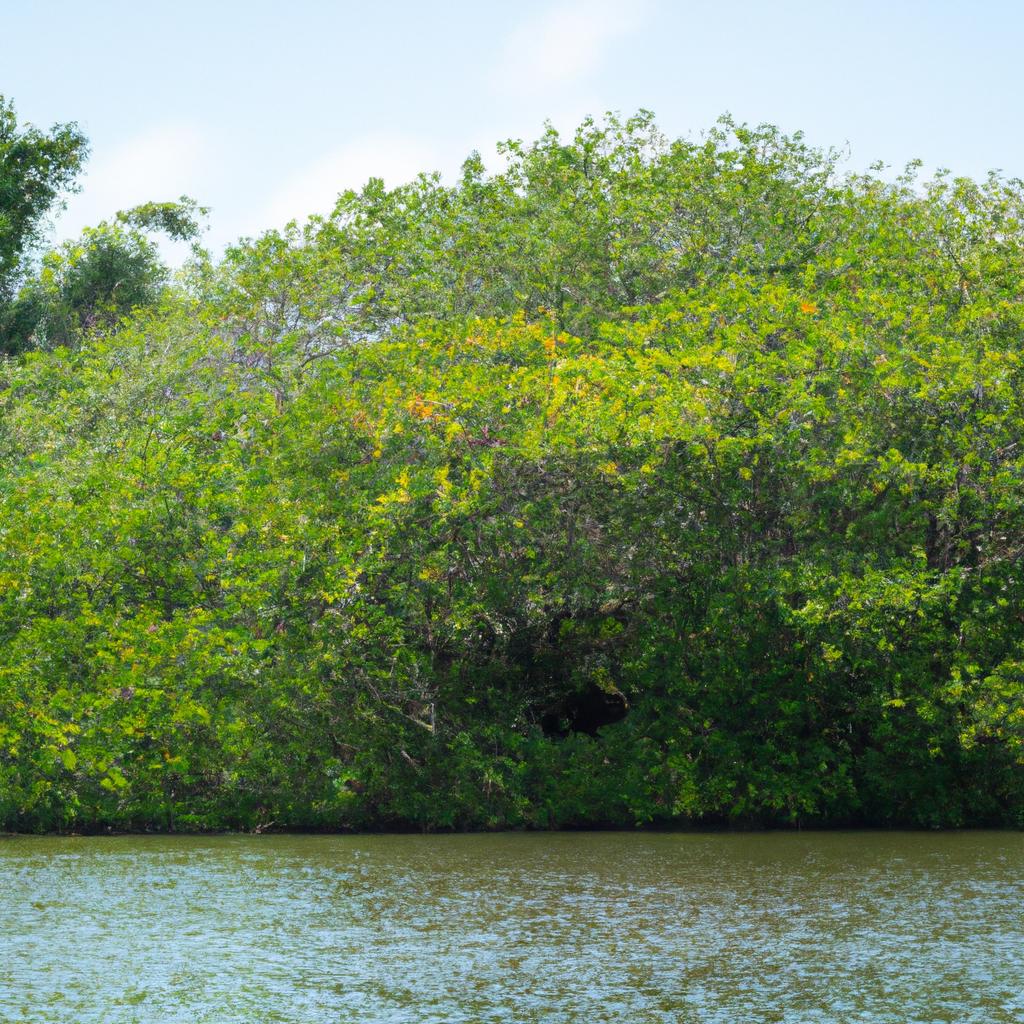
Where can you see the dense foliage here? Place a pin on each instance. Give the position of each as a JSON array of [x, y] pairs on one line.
[[641, 482]]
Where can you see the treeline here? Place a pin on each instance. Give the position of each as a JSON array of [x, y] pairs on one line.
[[643, 482]]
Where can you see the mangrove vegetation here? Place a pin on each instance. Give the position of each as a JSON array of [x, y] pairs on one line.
[[638, 482]]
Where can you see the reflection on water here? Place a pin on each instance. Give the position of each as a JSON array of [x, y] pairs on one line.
[[822, 927]]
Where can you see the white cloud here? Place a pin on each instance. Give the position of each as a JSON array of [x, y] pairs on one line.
[[315, 188], [563, 45], [160, 164]]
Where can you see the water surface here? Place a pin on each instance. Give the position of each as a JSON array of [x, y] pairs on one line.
[[715, 929]]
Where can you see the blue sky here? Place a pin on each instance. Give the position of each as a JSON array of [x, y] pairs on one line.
[[264, 111]]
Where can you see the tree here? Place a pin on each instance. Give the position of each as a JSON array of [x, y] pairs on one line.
[[92, 282], [639, 482], [36, 167]]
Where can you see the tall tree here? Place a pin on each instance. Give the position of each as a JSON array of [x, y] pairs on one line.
[[36, 168], [93, 281]]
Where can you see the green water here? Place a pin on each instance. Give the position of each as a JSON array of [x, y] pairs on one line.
[[541, 927]]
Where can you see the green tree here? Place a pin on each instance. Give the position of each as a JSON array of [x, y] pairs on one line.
[[642, 481], [92, 282], [36, 168]]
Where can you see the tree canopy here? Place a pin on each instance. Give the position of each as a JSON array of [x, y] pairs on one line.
[[36, 169], [643, 481], [91, 283], [114, 268]]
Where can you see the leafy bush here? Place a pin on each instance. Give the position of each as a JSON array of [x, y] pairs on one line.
[[640, 483]]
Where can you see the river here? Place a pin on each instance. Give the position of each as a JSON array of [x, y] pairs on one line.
[[589, 927]]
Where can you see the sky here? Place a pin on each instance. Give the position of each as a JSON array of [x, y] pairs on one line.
[[265, 111]]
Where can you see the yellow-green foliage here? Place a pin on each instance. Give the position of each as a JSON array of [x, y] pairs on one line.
[[360, 526]]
